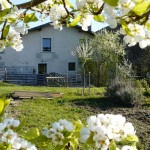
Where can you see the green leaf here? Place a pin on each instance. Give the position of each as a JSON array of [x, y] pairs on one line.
[[9, 147], [43, 141], [75, 21], [4, 12], [7, 102], [31, 134], [1, 22], [60, 147], [78, 124], [22, 124], [132, 138], [6, 31], [30, 18], [112, 145], [2, 105], [139, 1], [99, 18], [74, 142], [125, 27], [141, 8], [112, 2], [147, 25], [5, 4], [11, 20], [90, 139], [69, 4]]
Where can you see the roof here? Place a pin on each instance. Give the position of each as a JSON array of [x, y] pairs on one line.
[[108, 28], [49, 24]]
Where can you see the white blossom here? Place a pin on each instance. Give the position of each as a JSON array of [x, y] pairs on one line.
[[81, 3], [105, 128], [57, 12], [4, 4], [126, 147], [110, 15], [56, 133], [14, 40], [11, 122], [86, 21], [85, 134], [125, 6]]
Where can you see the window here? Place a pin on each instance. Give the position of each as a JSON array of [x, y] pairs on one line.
[[71, 66], [46, 44]]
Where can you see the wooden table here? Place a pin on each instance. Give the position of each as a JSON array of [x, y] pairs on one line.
[[55, 79]]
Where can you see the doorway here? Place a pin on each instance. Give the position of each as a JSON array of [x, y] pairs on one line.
[[42, 68]]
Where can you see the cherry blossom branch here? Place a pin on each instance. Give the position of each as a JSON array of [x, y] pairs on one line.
[[100, 10], [36, 9], [30, 4], [64, 4], [2, 36], [10, 2], [137, 18], [65, 7]]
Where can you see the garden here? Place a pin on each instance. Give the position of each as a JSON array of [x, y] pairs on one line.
[[74, 106]]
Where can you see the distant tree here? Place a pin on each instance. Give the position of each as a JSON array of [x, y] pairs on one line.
[[108, 49], [140, 59]]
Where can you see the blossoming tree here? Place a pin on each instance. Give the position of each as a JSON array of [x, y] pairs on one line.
[[133, 15]]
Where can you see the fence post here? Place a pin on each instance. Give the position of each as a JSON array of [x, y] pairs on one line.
[[89, 81], [5, 76], [67, 79]]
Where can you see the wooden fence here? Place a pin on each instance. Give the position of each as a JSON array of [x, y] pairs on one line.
[[3, 73], [67, 80], [26, 79]]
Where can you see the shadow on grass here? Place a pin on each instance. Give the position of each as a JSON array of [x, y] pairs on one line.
[[101, 103]]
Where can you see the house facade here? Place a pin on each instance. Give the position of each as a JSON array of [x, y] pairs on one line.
[[45, 50]]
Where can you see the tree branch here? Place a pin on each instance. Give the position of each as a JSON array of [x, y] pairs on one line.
[[100, 10], [65, 7], [2, 36], [10, 2], [30, 4], [135, 18]]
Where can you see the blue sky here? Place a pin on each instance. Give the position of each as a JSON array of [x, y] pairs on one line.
[[95, 26]]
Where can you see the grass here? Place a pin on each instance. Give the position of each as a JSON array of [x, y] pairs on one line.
[[73, 106]]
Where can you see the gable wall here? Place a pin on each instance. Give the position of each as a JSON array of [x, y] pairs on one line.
[[62, 42]]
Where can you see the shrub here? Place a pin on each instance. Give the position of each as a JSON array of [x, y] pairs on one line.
[[144, 85], [124, 90], [147, 93]]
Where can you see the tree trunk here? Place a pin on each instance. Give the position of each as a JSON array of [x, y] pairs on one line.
[[99, 75], [83, 92]]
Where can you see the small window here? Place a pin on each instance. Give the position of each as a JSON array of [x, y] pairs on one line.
[[46, 44], [71, 66]]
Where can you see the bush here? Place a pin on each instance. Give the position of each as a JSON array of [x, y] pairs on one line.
[[144, 85], [147, 93], [124, 90]]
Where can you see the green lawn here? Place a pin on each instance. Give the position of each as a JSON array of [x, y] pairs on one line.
[[73, 106]]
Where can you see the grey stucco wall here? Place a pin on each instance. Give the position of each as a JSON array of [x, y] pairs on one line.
[[62, 43]]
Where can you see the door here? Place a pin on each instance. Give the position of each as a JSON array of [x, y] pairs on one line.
[[42, 68]]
